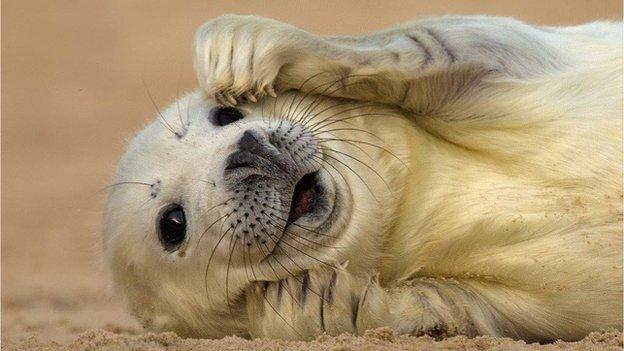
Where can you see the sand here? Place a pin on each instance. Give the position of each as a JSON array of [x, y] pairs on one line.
[[73, 93], [379, 339]]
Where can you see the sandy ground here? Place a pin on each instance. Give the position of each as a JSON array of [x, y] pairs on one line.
[[380, 339], [72, 93]]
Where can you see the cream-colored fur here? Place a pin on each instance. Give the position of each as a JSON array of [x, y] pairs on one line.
[[494, 206]]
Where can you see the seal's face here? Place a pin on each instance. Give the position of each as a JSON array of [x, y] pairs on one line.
[[209, 199]]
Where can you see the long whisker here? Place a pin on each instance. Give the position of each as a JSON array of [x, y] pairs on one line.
[[264, 292], [315, 125], [274, 113], [300, 89], [317, 128], [299, 116], [282, 211], [210, 259], [306, 113], [210, 226], [206, 181], [332, 116], [355, 145], [277, 277], [318, 294], [322, 95], [329, 131], [178, 108], [129, 183], [283, 267], [327, 149], [355, 173], [321, 160], [162, 119], [291, 274], [302, 252], [227, 277], [342, 103], [365, 143], [188, 107], [294, 262], [281, 227]]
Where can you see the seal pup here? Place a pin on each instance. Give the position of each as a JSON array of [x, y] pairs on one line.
[[455, 175]]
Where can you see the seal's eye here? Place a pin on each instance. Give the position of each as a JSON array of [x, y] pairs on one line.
[[225, 115], [172, 227]]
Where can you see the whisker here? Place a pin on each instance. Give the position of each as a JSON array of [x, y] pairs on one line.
[[323, 94], [162, 119], [277, 277], [348, 118], [300, 89], [178, 108], [214, 249], [293, 276], [281, 112], [293, 261], [303, 252], [188, 107], [210, 260], [365, 143], [264, 293], [287, 255], [304, 115], [322, 140], [205, 181], [321, 160], [245, 265], [283, 228], [146, 202], [359, 161], [342, 103], [315, 126], [283, 211], [320, 295], [332, 116], [227, 278], [347, 129], [274, 114], [128, 183], [210, 226], [297, 118], [354, 172]]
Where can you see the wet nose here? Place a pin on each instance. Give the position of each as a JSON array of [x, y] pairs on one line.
[[255, 151]]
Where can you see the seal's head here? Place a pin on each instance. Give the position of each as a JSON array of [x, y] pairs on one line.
[[209, 199]]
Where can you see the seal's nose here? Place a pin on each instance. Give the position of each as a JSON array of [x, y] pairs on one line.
[[255, 151]]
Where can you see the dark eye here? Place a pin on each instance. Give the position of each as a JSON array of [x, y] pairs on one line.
[[222, 116], [172, 227]]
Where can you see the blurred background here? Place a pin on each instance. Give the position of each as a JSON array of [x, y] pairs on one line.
[[73, 94]]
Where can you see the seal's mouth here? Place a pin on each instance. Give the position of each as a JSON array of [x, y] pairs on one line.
[[305, 198]]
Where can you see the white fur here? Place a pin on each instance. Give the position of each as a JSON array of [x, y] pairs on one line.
[[504, 216]]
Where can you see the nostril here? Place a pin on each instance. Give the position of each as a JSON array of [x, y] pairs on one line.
[[251, 141], [239, 160], [234, 165]]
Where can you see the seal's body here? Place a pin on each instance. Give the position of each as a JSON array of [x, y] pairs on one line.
[[460, 175]]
